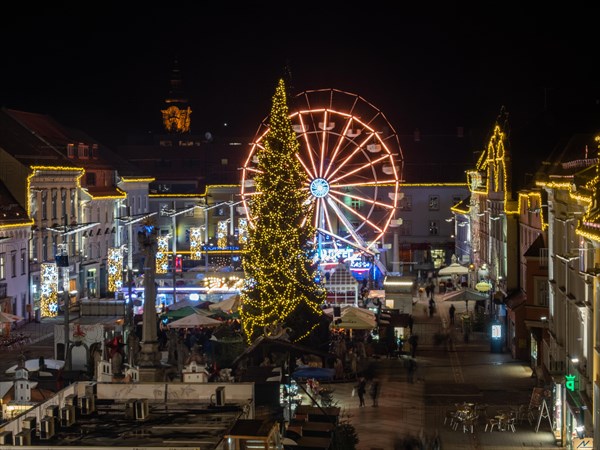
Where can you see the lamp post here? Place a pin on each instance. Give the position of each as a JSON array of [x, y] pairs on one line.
[[173, 215], [129, 220], [231, 204], [62, 260]]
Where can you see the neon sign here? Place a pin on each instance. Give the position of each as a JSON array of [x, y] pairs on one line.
[[570, 382]]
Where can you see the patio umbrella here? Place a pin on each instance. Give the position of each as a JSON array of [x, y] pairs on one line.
[[453, 269], [9, 318], [6, 319], [232, 304], [195, 320], [181, 312]]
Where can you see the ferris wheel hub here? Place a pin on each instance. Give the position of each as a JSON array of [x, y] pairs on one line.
[[319, 187]]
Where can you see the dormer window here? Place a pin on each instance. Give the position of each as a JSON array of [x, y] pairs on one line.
[[83, 151], [71, 150], [95, 151]]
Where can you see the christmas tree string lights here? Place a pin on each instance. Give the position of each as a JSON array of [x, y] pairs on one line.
[[280, 292]]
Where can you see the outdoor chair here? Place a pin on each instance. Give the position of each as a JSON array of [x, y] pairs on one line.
[[491, 423], [510, 424]]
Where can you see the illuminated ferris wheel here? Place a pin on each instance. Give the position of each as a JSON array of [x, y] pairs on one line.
[[353, 160]]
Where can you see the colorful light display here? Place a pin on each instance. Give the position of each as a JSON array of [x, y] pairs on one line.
[[222, 233], [115, 269], [49, 287], [243, 230], [162, 260], [195, 243]]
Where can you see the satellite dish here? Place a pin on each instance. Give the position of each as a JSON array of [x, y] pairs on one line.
[[208, 136]]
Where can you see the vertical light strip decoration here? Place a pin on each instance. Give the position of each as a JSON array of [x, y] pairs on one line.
[[195, 243], [49, 295], [243, 230], [115, 269], [222, 234], [162, 261]]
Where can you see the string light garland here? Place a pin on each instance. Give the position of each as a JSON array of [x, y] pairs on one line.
[[280, 289]]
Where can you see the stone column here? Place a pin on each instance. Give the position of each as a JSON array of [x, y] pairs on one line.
[[149, 356]]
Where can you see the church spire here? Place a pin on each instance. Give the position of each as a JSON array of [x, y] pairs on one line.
[[176, 115]]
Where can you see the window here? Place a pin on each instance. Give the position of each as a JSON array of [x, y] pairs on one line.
[[541, 287], [90, 179], [45, 249], [63, 202], [355, 204], [434, 203], [44, 205], [54, 205], [189, 213], [2, 266], [72, 200], [95, 151], [83, 151], [405, 203], [71, 150], [13, 263], [34, 248], [433, 227], [224, 161], [406, 228], [23, 260]]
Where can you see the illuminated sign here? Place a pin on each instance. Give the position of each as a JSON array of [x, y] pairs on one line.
[[334, 254], [570, 382], [358, 264], [496, 331]]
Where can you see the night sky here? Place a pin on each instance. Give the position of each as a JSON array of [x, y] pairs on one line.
[[108, 74]]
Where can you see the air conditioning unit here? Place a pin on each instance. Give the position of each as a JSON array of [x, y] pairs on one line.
[[87, 405], [6, 438], [67, 416], [140, 409], [47, 427], [23, 438]]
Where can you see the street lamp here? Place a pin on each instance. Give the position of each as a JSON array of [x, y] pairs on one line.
[[231, 204], [128, 221], [62, 260], [173, 215]]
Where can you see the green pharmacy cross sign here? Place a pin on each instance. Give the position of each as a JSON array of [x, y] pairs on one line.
[[570, 382]]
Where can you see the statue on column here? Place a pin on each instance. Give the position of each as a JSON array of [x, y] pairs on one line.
[[149, 355]]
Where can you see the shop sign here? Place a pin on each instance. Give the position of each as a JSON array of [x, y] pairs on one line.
[[583, 443]]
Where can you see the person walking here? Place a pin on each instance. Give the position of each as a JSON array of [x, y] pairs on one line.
[[413, 340], [451, 311], [412, 368], [361, 390], [374, 391]]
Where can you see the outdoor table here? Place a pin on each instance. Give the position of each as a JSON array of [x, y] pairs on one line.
[[310, 443], [317, 429]]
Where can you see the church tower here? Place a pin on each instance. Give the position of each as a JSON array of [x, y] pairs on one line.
[[176, 115]]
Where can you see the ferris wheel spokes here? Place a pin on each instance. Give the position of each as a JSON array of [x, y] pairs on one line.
[[344, 220], [353, 212], [362, 248]]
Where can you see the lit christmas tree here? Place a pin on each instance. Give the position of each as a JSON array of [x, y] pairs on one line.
[[280, 293]]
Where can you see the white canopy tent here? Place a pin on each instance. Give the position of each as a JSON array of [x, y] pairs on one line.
[[195, 320]]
